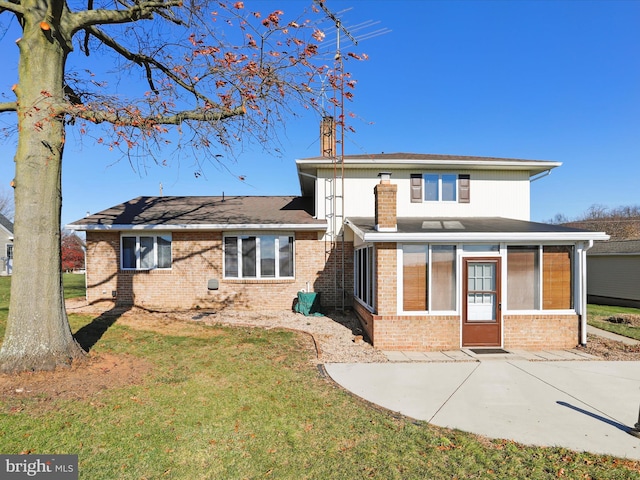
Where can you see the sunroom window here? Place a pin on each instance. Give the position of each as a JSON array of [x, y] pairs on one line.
[[258, 256], [145, 252], [427, 270], [540, 277]]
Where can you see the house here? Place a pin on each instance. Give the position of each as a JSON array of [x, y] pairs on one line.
[[614, 273], [432, 252], [6, 245]]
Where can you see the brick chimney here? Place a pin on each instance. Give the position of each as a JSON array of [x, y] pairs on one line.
[[385, 193], [328, 137]]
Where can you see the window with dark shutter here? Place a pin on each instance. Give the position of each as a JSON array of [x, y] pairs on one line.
[[464, 188], [416, 188]]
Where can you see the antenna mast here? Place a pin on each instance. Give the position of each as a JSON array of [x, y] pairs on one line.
[[335, 195]]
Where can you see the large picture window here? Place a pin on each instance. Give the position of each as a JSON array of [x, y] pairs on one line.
[[523, 274], [258, 256], [540, 277], [419, 277], [145, 252]]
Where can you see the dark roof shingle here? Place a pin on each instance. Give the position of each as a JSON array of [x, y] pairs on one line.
[[202, 211]]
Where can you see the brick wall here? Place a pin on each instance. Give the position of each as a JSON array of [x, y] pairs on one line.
[[541, 332], [421, 333], [197, 257], [386, 294]]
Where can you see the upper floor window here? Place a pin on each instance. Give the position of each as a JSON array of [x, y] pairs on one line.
[[145, 252], [258, 256], [440, 187]]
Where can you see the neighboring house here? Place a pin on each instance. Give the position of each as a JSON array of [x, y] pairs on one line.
[[6, 246], [614, 273], [436, 253]]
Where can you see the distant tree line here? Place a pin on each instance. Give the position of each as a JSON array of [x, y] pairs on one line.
[[621, 223]]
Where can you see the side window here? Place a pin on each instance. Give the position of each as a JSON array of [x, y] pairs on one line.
[[258, 256], [145, 252]]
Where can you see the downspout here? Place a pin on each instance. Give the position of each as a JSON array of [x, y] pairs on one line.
[[583, 294], [542, 175]]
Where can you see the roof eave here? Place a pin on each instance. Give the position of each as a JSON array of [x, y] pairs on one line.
[[216, 227], [533, 166], [457, 237]]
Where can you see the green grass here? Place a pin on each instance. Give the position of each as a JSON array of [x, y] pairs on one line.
[[248, 403], [597, 315]]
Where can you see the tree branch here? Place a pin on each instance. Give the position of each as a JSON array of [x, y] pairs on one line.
[[9, 107], [11, 7], [121, 119], [142, 10], [147, 63]]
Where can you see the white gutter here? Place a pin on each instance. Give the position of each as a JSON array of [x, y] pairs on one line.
[[220, 226], [541, 175], [435, 163], [453, 236]]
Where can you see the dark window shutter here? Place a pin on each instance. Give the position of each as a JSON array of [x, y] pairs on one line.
[[464, 188], [416, 188]]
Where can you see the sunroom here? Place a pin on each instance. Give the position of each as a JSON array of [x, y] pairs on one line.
[[438, 284]]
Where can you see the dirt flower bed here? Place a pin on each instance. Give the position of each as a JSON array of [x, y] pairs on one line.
[[610, 350], [337, 336], [626, 319]]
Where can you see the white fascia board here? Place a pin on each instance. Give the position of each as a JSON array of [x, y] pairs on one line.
[[399, 163], [481, 237], [223, 226]]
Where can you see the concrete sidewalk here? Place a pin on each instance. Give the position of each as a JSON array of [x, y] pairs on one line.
[[581, 405]]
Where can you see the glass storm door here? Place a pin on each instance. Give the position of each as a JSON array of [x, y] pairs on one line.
[[481, 317]]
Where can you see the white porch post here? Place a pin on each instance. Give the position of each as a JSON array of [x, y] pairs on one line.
[[582, 252]]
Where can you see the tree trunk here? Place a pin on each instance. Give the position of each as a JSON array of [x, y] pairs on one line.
[[38, 335]]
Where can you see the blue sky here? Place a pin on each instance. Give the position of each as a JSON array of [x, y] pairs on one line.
[[544, 80]]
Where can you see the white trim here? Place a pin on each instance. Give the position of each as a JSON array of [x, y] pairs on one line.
[[534, 166], [212, 226], [460, 237]]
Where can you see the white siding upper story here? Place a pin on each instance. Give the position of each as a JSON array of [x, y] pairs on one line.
[[493, 193]]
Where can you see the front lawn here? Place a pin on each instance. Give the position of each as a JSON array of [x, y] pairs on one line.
[[621, 320], [246, 403]]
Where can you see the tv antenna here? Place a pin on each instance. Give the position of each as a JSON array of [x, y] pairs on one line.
[[329, 138]]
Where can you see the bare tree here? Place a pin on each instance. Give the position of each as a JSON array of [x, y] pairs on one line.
[[6, 204], [215, 73], [622, 223]]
